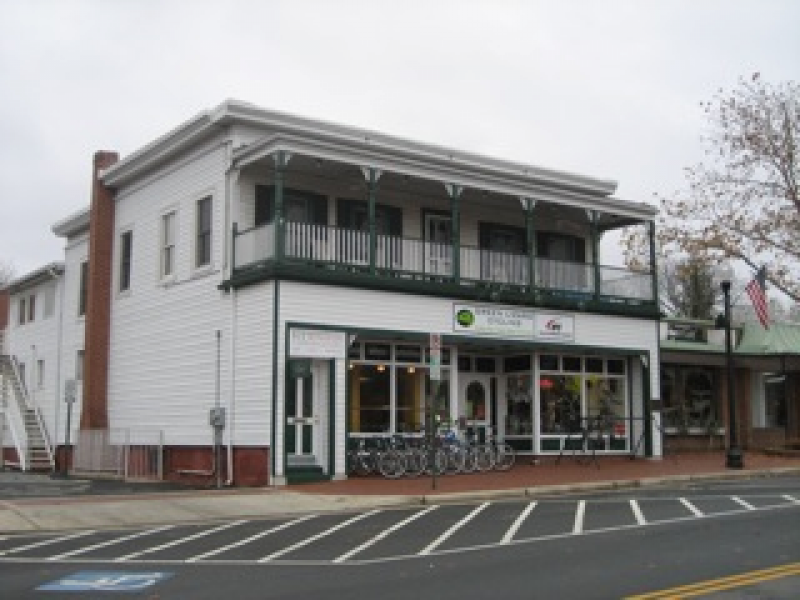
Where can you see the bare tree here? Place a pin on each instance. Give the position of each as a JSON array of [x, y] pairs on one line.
[[742, 201]]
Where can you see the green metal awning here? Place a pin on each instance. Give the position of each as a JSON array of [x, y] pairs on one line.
[[781, 339]]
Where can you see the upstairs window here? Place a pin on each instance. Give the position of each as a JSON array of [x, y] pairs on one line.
[[125, 255], [49, 300], [203, 229], [32, 307], [22, 314], [168, 234], [83, 292]]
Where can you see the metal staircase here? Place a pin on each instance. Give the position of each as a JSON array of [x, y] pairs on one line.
[[24, 422]]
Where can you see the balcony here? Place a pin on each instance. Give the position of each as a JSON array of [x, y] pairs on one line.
[[479, 273]]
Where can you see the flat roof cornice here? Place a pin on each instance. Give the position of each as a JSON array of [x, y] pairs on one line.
[[370, 148], [73, 224]]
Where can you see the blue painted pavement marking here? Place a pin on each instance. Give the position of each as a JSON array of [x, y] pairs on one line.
[[105, 581]]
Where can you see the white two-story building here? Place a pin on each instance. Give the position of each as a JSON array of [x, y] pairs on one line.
[[284, 276]]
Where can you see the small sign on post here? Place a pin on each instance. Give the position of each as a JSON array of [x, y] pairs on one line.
[[435, 367], [69, 397], [436, 356]]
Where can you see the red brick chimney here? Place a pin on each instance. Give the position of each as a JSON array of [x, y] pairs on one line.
[[98, 308]]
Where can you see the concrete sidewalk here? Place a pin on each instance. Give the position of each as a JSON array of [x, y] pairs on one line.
[[74, 508]]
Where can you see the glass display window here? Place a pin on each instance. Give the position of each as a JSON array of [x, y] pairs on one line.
[[370, 398], [560, 403], [519, 404]]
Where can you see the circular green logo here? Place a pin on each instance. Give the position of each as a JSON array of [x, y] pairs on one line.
[[465, 318]]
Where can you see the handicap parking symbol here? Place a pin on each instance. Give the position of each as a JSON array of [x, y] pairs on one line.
[[105, 581]]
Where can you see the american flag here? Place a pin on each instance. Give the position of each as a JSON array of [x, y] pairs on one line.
[[756, 289]]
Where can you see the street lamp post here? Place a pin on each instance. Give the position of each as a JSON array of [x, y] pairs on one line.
[[735, 458]]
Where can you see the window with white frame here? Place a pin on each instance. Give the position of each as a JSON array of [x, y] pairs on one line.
[[22, 313], [125, 258], [79, 365], [32, 307], [168, 237], [83, 292], [40, 374], [49, 300], [203, 233]]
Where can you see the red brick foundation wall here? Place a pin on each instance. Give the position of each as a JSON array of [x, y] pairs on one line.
[[194, 465], [94, 414]]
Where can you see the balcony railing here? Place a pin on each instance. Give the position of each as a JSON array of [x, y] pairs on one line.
[[422, 259]]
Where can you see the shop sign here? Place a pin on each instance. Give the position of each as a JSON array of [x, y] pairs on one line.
[[317, 343], [489, 320], [555, 327]]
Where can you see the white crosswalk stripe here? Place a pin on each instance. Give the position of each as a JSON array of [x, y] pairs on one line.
[[744, 503], [442, 538], [48, 542], [692, 508], [512, 531], [637, 513], [314, 538], [384, 534], [438, 529], [580, 514], [248, 540], [107, 543], [180, 541]]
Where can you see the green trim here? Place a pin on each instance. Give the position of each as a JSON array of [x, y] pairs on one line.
[[648, 409], [332, 418], [596, 253], [450, 339], [425, 286], [653, 269], [373, 236], [274, 444], [454, 192], [280, 165], [530, 232]]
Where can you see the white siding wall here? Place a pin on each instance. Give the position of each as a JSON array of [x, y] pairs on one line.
[[73, 328], [36, 341], [163, 368], [253, 365]]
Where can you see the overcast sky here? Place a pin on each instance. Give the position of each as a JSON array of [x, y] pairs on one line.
[[604, 88]]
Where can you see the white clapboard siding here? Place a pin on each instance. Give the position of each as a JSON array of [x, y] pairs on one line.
[[164, 363], [253, 365], [36, 341]]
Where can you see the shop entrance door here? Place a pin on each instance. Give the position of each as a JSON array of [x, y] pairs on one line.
[[301, 422], [475, 402]]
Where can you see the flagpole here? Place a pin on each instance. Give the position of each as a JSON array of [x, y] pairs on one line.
[[735, 457]]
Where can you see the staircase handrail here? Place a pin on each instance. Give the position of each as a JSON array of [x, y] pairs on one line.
[[15, 416], [45, 435]]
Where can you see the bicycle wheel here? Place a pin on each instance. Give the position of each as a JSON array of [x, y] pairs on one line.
[[416, 463], [504, 457], [456, 459], [484, 458], [392, 464]]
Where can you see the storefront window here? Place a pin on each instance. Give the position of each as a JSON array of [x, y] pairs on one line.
[[689, 397], [370, 399], [605, 403], [519, 402], [409, 381], [775, 400], [560, 403]]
